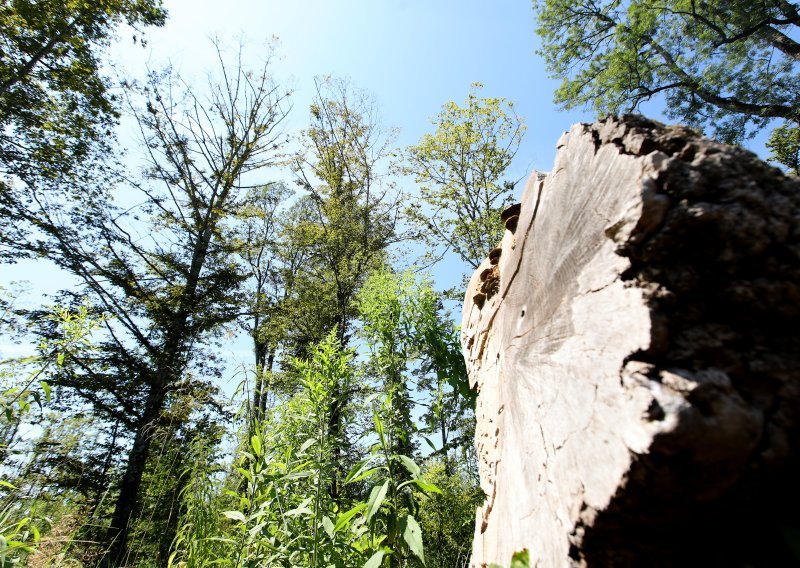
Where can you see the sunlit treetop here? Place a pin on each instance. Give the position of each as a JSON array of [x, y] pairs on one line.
[[731, 65]]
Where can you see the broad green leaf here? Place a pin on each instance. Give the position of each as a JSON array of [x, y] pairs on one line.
[[327, 524], [256, 529], [422, 484], [235, 515], [366, 474], [307, 444], [255, 443], [412, 534], [376, 497], [410, 465], [379, 428], [297, 475], [343, 519], [246, 474], [375, 560], [356, 469], [46, 389]]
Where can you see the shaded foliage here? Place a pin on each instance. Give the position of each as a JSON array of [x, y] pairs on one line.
[[728, 65]]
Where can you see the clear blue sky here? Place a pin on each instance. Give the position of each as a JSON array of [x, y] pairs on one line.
[[413, 55]]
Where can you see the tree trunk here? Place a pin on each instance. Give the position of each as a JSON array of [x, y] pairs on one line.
[[265, 388], [256, 412], [129, 488]]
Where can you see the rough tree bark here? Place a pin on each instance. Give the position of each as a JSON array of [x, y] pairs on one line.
[[636, 347]]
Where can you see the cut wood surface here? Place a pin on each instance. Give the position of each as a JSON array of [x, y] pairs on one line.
[[635, 345]]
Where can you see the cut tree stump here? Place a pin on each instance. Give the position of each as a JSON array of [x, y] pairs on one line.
[[638, 359]]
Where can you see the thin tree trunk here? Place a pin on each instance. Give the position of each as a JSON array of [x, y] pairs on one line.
[[117, 534], [258, 388], [265, 388]]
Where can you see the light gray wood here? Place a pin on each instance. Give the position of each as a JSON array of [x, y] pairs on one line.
[[618, 387]]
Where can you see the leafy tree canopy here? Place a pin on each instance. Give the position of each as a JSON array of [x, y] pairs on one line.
[[459, 168], [56, 109], [731, 65], [51, 90]]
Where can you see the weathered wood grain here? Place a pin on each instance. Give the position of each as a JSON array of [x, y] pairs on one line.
[[637, 363]]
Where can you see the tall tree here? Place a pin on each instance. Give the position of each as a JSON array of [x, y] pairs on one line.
[[256, 238], [459, 168], [161, 268], [344, 169], [56, 107], [353, 208], [731, 65], [201, 151]]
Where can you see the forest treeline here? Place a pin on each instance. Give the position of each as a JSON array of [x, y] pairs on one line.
[[349, 439]]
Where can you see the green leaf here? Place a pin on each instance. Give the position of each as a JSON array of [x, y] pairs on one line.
[[307, 444], [379, 428], [255, 443], [412, 534], [256, 529], [410, 465], [327, 524], [235, 515], [368, 473], [297, 475], [46, 389], [426, 486], [375, 560], [343, 519], [356, 469], [245, 473], [376, 497]]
